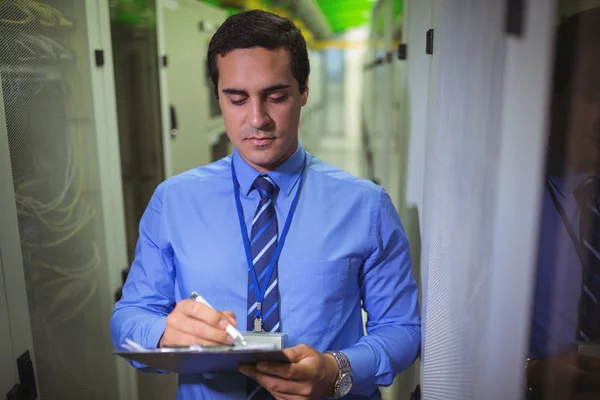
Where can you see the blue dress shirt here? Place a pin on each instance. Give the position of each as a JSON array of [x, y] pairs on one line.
[[559, 270], [346, 247]]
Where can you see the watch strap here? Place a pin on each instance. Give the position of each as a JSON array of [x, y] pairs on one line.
[[344, 369]]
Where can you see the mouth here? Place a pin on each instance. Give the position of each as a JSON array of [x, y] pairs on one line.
[[260, 141]]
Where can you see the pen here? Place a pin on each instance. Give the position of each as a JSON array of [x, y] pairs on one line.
[[234, 333]]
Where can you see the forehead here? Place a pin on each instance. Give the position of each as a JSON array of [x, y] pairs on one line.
[[255, 68]]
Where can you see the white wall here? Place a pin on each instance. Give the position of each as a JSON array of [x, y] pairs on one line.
[[419, 74]]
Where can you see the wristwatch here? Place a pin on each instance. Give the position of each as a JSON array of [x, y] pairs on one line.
[[344, 381]]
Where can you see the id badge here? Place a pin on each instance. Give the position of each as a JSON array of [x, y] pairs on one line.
[[258, 325], [279, 340]]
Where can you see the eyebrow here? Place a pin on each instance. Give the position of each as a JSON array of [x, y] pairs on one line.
[[270, 89]]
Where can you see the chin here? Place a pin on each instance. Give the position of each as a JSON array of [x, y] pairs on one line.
[[259, 158], [265, 157], [264, 163]]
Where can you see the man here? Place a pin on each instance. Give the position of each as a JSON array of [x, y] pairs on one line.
[[566, 309], [281, 239]]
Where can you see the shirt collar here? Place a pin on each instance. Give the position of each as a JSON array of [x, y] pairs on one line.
[[285, 175]]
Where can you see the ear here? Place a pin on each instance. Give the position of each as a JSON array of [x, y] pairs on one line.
[[305, 94]]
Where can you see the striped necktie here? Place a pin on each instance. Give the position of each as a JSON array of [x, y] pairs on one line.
[[589, 234], [262, 246]]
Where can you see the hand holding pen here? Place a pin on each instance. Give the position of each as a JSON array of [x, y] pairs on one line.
[[195, 323], [230, 329]]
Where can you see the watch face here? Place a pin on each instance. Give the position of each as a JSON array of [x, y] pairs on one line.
[[345, 384]]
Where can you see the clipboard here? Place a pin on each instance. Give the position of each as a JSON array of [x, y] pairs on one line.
[[201, 361]]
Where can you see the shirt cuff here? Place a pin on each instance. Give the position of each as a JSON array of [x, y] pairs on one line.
[[364, 365], [155, 332]]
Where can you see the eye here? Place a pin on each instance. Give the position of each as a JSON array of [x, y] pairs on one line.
[[237, 102], [278, 99]]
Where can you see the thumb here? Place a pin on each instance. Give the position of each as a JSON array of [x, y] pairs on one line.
[[299, 353]]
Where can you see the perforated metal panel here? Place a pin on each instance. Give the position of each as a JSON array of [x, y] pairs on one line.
[[459, 191], [47, 93]]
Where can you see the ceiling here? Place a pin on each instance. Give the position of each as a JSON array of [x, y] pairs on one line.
[[346, 14], [322, 17], [341, 15]]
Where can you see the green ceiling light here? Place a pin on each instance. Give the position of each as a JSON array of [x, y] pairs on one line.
[[397, 13], [345, 14], [231, 11], [133, 12], [398, 8]]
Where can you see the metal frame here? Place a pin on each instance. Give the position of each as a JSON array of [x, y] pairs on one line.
[[7, 357], [11, 258], [211, 126], [434, 11], [421, 86], [107, 144], [388, 95], [164, 87], [515, 215]]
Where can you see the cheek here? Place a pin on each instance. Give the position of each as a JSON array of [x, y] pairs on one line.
[[285, 117], [233, 117]]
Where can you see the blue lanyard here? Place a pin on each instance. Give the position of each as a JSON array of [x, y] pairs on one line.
[[260, 291]]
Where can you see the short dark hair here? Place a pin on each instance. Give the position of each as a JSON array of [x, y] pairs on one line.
[[581, 28], [257, 28]]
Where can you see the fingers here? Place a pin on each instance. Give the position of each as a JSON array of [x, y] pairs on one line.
[[199, 311], [195, 323], [280, 396], [206, 314], [230, 317], [277, 386], [178, 338], [293, 372], [309, 376], [202, 330], [300, 352], [184, 331]]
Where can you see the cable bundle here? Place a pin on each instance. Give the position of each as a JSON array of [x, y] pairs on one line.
[[32, 10], [28, 47]]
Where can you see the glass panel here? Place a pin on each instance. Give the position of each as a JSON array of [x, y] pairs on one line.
[[47, 92], [565, 336]]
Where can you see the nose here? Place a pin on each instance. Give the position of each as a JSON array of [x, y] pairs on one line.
[[259, 118]]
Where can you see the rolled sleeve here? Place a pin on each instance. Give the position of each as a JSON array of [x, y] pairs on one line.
[[390, 298]]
